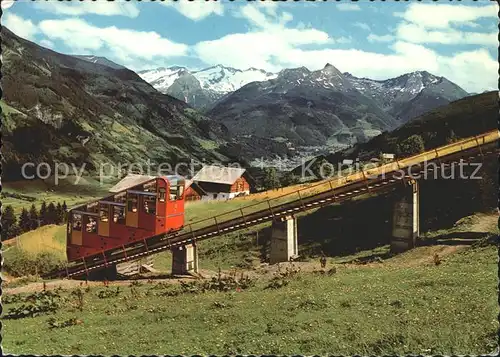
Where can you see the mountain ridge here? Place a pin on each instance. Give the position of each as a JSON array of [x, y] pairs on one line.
[[217, 84], [66, 109]]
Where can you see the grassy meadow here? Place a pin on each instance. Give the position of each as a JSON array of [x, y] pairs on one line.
[[404, 305], [365, 302], [36, 191]]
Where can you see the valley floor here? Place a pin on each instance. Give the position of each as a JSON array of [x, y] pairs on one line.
[[367, 303]]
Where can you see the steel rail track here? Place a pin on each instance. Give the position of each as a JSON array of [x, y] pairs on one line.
[[388, 182]]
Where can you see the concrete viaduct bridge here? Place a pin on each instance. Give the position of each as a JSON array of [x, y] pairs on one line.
[[402, 175]]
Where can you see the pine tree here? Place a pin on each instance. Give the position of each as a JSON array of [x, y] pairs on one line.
[[290, 179], [24, 221], [271, 180], [51, 213], [65, 211], [59, 213], [34, 219], [8, 220], [43, 214], [14, 231]]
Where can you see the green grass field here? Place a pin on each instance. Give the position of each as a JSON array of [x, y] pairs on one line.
[[404, 304], [404, 307], [69, 189]]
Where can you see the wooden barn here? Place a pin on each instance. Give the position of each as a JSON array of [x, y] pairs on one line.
[[222, 183], [193, 191]]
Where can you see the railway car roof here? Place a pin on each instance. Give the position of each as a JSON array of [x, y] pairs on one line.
[[129, 181], [219, 174]]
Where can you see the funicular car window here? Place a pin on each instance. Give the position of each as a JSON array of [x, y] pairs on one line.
[[77, 222], [161, 194], [103, 213], [149, 205], [132, 203], [91, 226], [119, 214], [180, 192], [176, 192], [173, 193]]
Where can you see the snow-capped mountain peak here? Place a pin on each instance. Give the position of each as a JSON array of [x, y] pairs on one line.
[[227, 79], [162, 78], [218, 80]]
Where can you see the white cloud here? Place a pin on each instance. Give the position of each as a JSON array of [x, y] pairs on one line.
[[123, 45], [256, 49], [380, 38], [196, 10], [21, 27], [272, 46], [270, 20], [348, 7], [6, 4], [262, 47], [419, 34], [439, 23], [270, 7], [363, 26], [47, 43], [99, 7], [442, 16]]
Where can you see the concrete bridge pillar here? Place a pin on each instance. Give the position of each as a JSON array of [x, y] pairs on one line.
[[406, 219], [184, 260], [284, 243]]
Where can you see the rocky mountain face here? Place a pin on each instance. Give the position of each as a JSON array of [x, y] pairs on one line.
[[410, 95], [201, 88], [100, 60], [303, 108], [300, 112], [65, 109], [327, 110]]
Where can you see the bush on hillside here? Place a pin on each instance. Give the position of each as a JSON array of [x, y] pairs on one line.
[[411, 146], [20, 263]]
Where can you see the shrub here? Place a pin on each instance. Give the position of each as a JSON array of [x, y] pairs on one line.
[[282, 278], [38, 303], [107, 293], [20, 263], [411, 146], [79, 295], [221, 283], [53, 323]]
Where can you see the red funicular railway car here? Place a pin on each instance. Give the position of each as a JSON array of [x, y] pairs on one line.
[[134, 214]]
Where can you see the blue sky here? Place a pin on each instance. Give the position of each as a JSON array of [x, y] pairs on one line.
[[371, 39]]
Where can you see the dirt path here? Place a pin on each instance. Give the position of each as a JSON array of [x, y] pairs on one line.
[[416, 257], [72, 284]]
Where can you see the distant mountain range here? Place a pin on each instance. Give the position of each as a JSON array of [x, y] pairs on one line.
[[88, 109], [325, 109], [404, 97], [410, 95], [304, 108], [329, 110], [202, 88]]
